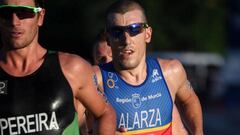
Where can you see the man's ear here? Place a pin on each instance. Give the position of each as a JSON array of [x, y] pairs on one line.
[[41, 17], [148, 34]]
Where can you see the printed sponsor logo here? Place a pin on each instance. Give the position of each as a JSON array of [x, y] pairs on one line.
[[123, 100], [137, 100], [155, 76], [111, 81]]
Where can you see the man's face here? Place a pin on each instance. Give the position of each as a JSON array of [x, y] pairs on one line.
[[19, 25], [103, 53], [128, 45]]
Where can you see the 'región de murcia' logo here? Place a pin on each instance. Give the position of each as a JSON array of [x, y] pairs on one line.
[[136, 100]]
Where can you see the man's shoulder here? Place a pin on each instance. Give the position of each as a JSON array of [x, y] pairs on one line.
[[73, 62], [171, 67], [174, 73], [169, 62], [71, 58], [66, 55]]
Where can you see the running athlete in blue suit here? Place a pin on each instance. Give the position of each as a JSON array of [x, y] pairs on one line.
[[102, 53], [142, 89], [41, 90]]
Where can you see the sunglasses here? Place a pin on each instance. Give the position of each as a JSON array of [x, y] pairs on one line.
[[22, 12], [132, 29]]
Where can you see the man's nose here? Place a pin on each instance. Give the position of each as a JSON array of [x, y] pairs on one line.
[[126, 38], [15, 20]]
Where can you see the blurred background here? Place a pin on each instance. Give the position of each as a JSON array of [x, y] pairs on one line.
[[203, 34]]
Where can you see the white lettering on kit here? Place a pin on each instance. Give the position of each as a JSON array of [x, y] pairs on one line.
[[28, 124]]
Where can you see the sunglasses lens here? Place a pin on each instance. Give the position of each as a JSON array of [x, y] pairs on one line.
[[134, 29], [21, 12], [117, 31], [24, 13]]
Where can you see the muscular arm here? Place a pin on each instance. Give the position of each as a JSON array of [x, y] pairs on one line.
[[190, 106], [80, 75], [184, 95]]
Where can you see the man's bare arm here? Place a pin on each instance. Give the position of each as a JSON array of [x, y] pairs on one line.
[[189, 103], [81, 77]]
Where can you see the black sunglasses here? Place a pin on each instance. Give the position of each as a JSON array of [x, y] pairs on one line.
[[22, 12], [132, 29]]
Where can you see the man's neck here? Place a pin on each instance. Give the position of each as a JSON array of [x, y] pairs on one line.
[[22, 62], [135, 76]]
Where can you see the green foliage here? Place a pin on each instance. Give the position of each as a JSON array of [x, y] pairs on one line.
[[196, 25], [187, 25]]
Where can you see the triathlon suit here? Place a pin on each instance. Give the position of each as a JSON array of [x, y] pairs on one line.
[[144, 109], [38, 104]]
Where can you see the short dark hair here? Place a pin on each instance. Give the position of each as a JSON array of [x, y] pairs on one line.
[[39, 3], [101, 37], [123, 6]]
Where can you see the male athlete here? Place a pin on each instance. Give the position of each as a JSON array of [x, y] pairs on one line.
[[141, 89], [41, 89]]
